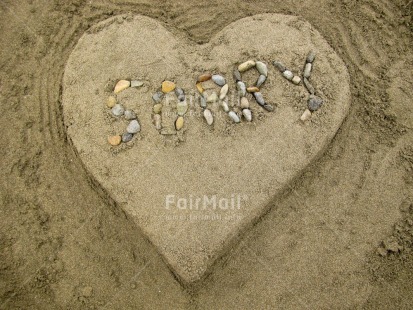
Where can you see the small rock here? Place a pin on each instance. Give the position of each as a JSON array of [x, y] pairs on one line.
[[87, 291], [114, 140], [204, 77], [310, 57], [247, 114], [126, 137], [133, 127], [212, 98], [314, 103], [246, 65], [253, 89], [382, 251], [168, 86], [208, 117], [224, 91], [241, 88], [136, 83], [309, 87], [121, 85], [179, 123], [219, 80], [261, 80], [179, 92], [118, 110], [200, 88], [307, 70], [244, 103], [157, 121], [268, 107], [225, 106], [157, 108], [182, 107], [157, 97], [129, 115], [237, 75], [288, 75], [306, 115], [279, 66], [296, 80], [111, 102], [234, 116], [203, 102], [261, 68], [259, 98]]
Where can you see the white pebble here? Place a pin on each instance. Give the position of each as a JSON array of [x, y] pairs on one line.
[[136, 83], [212, 98], [296, 80], [224, 91], [118, 110], [225, 106], [306, 115], [247, 114], [307, 70], [261, 68], [219, 80], [208, 117], [133, 127], [288, 75], [234, 117]]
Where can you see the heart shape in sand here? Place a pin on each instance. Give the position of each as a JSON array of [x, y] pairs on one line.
[[244, 166]]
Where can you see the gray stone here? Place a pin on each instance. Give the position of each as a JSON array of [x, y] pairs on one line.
[[219, 80], [129, 115], [261, 80], [118, 110], [261, 67], [279, 66], [309, 87], [310, 57], [242, 89], [203, 101], [259, 98], [133, 127], [126, 137], [234, 116], [288, 75], [314, 103], [307, 70], [247, 114], [136, 83], [237, 75], [268, 107], [157, 97]]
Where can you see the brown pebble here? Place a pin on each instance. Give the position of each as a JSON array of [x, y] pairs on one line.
[[253, 89], [244, 103], [115, 140], [111, 102], [204, 77], [199, 87], [179, 123]]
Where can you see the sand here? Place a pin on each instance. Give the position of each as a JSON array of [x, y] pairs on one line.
[[67, 242]]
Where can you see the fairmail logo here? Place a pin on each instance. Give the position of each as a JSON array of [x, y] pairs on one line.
[[205, 202]]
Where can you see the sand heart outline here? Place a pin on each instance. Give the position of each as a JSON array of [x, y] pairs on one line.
[[242, 167]]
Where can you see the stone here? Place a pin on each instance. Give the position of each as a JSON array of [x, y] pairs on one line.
[[261, 80], [244, 103], [129, 115], [87, 291], [179, 123], [118, 110], [114, 140], [219, 80], [247, 114], [203, 102], [309, 87], [306, 115], [212, 98], [111, 102], [241, 88], [296, 80], [136, 83], [157, 108], [246, 65], [157, 97], [307, 70], [310, 57], [126, 137], [157, 121], [314, 103], [234, 116], [133, 127], [279, 66], [204, 77], [208, 117], [199, 88], [224, 91], [180, 94], [259, 98], [121, 85], [225, 106], [288, 75], [168, 86], [261, 68], [253, 89], [268, 107], [182, 107], [237, 75]]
